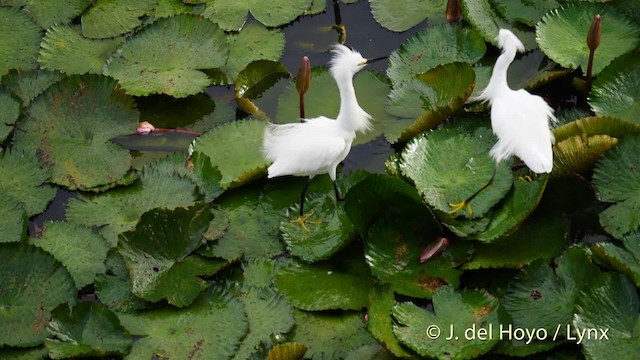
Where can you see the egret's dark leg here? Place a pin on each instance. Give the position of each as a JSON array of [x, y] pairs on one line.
[[303, 195], [466, 203], [335, 188]]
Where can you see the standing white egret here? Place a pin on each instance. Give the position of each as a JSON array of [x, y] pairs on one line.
[[316, 146], [519, 119]]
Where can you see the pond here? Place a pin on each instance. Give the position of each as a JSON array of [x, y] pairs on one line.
[[174, 244]]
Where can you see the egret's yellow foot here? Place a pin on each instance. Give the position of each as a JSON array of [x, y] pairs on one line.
[[460, 206], [304, 219], [525, 178]]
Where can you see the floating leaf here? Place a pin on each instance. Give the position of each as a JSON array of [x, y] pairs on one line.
[[625, 259], [231, 14], [316, 287], [562, 35], [595, 125], [48, 13], [524, 11], [253, 42], [113, 288], [330, 336], [615, 89], [9, 112], [432, 47], [381, 302], [110, 18], [153, 60], [38, 353], [27, 85], [608, 307], [453, 310], [23, 180], [70, 126], [13, 221], [89, 329], [211, 328], [449, 164], [157, 254], [32, 283], [236, 150], [287, 351], [406, 14], [616, 180], [432, 97], [63, 48], [577, 155], [482, 16], [168, 8], [82, 251], [254, 80], [19, 41]]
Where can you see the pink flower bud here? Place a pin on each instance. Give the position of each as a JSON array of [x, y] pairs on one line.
[[144, 128]]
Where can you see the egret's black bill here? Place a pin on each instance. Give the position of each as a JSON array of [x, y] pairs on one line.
[[369, 61]]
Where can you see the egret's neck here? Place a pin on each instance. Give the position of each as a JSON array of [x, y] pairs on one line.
[[351, 116], [498, 82]]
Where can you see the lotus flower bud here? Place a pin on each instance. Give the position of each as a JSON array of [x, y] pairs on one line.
[[593, 37], [304, 76], [454, 11], [144, 128]]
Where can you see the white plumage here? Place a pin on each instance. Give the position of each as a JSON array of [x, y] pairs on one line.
[[518, 118]]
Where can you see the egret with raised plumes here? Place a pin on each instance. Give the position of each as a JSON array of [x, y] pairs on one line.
[[316, 146], [519, 119]]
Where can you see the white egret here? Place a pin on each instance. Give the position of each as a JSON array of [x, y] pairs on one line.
[[316, 146], [519, 119]]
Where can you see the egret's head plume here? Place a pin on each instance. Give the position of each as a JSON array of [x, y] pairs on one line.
[[507, 41], [345, 62]]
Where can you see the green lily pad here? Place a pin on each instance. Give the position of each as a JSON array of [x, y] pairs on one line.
[[616, 180], [254, 80], [625, 259], [451, 163], [616, 90], [89, 330], [268, 314], [23, 180], [577, 155], [432, 47], [211, 328], [157, 254], [481, 14], [562, 35], [110, 18], [526, 12], [19, 42], [153, 60], [236, 150], [113, 287], [609, 306], [27, 85], [429, 334], [538, 298], [595, 125], [432, 97], [330, 336], [36, 353], [401, 16], [231, 14], [48, 13], [168, 8], [318, 287], [81, 250], [381, 302], [63, 48], [253, 42], [13, 221], [32, 283], [287, 351], [70, 126], [9, 113], [258, 273]]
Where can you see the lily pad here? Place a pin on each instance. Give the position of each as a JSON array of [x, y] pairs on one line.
[[616, 90], [89, 330], [32, 283], [19, 42], [429, 333], [81, 250], [253, 42], [434, 46], [616, 180], [595, 125], [401, 16], [317, 287], [211, 328], [153, 60], [254, 80], [562, 35], [70, 126], [13, 221], [9, 113], [110, 18], [625, 259], [27, 85], [577, 155], [526, 12], [63, 48], [432, 97], [26, 184], [381, 302], [481, 14], [157, 254], [609, 307], [287, 351], [231, 14], [451, 163], [330, 336], [113, 288], [48, 13], [236, 150]]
